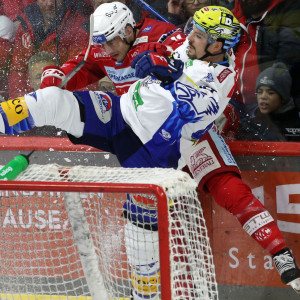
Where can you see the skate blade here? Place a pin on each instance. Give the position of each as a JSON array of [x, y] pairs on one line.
[[295, 284]]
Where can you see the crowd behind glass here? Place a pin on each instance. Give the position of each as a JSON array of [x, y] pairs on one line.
[[265, 105]]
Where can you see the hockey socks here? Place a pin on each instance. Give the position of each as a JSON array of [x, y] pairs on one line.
[[260, 225], [230, 192]]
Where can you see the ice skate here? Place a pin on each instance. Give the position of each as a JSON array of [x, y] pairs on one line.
[[286, 265]]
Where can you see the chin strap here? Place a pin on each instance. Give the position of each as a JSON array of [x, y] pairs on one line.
[[135, 34], [207, 53]]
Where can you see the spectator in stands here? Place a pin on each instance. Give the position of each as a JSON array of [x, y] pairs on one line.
[[276, 117], [36, 65], [7, 36], [14, 8], [226, 3], [140, 13], [271, 34], [179, 11], [106, 85], [40, 30]]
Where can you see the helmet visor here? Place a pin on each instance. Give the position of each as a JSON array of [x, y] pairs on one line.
[[210, 38]]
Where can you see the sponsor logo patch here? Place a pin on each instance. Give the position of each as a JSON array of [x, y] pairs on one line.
[[148, 29], [263, 234], [223, 75], [145, 283], [202, 160], [16, 110], [165, 134], [258, 221]]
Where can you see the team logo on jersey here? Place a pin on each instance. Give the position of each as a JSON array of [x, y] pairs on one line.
[[26, 40], [106, 101], [148, 29], [102, 104], [194, 97], [209, 78], [165, 134]]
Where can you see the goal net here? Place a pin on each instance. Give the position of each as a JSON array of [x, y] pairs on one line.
[[103, 233]]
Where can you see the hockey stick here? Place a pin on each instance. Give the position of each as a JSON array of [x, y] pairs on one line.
[[57, 33], [147, 7], [83, 239], [82, 62]]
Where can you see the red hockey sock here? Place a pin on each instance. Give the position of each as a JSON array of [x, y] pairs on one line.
[[230, 192]]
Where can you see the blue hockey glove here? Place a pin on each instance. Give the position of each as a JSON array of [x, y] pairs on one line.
[[165, 69]]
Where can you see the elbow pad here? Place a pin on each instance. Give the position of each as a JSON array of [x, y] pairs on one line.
[[16, 116]]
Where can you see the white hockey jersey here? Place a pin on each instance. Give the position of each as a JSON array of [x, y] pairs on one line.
[[183, 110]]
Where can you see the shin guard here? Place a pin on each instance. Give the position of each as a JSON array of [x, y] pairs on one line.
[[230, 192], [260, 225]]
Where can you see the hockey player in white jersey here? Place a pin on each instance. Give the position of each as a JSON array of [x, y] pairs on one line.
[[214, 33]]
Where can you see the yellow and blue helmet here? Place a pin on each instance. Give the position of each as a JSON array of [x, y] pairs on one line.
[[220, 25]]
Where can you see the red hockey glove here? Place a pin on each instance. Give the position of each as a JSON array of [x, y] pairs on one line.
[[228, 123], [52, 76], [155, 47]]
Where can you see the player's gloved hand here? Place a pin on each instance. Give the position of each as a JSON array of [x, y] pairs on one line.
[[52, 76], [156, 47], [228, 122], [163, 68]]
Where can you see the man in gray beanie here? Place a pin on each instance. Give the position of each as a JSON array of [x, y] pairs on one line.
[[276, 117]]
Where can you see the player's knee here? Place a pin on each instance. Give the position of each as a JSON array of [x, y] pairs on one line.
[[230, 192]]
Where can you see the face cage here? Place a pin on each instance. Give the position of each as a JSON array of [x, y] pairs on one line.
[[188, 28]]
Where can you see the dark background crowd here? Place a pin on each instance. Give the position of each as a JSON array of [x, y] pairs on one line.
[[265, 104]]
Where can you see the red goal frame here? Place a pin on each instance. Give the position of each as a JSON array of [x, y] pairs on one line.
[[162, 211]]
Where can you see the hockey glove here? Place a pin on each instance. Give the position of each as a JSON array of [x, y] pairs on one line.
[[228, 122], [52, 76], [165, 69], [156, 47]]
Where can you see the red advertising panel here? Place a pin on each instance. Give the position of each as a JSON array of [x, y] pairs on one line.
[[238, 258]]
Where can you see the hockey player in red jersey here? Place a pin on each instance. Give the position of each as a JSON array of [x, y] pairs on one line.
[[117, 41]]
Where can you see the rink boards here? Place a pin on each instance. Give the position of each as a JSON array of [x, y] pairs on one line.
[[243, 269], [44, 297]]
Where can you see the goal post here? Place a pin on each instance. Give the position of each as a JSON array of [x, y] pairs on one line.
[[62, 234]]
